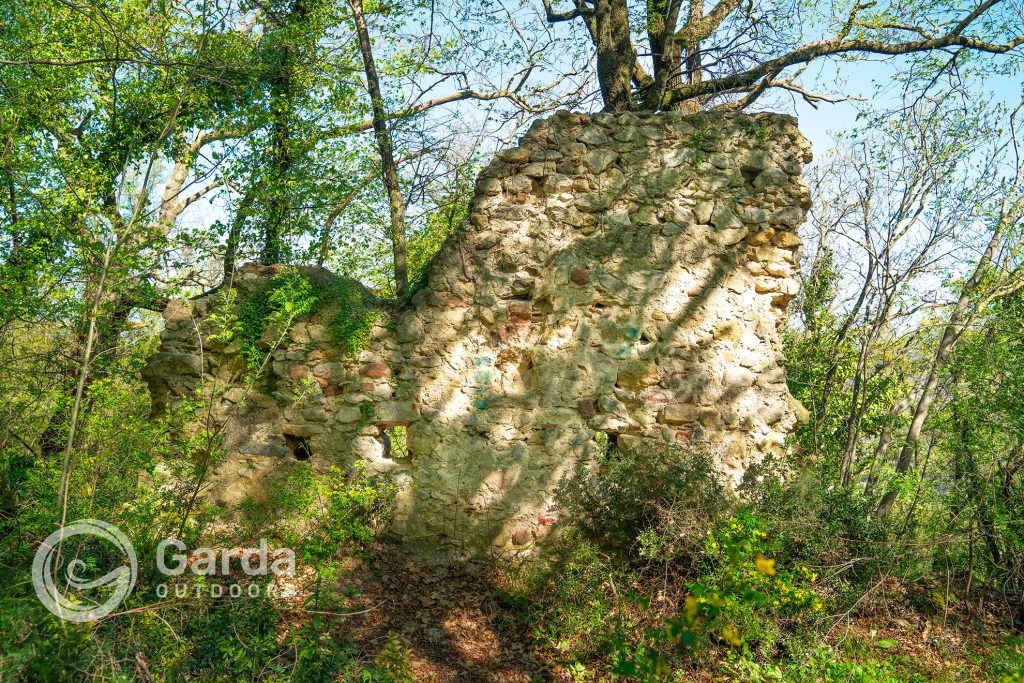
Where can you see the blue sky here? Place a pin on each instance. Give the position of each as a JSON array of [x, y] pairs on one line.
[[861, 79]]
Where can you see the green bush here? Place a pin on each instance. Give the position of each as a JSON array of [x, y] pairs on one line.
[[739, 600], [391, 665], [815, 524], [568, 596], [824, 666], [654, 574], [354, 316], [650, 500]]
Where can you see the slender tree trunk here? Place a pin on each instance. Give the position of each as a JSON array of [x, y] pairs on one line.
[[15, 236], [950, 335], [666, 53], [389, 169], [278, 207], [694, 67], [282, 101], [858, 400], [278, 212], [830, 375], [853, 419], [235, 234], [82, 384], [884, 439]]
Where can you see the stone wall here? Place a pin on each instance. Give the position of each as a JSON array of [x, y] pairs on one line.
[[623, 274]]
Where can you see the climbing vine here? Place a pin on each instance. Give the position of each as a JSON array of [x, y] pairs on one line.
[[355, 316], [353, 313]]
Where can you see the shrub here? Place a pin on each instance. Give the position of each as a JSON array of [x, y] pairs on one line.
[[568, 596], [649, 500], [739, 601]]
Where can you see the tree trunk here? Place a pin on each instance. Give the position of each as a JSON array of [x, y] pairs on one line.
[[278, 207], [950, 335], [694, 67], [666, 53], [853, 419], [235, 234], [614, 53], [389, 169]]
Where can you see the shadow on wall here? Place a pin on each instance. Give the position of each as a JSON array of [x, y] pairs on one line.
[[621, 274]]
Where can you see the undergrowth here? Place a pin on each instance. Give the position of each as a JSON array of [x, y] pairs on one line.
[[661, 576]]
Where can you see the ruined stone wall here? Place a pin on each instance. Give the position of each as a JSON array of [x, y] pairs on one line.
[[625, 274]]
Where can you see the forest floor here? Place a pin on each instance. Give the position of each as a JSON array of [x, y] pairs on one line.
[[457, 628], [450, 618]]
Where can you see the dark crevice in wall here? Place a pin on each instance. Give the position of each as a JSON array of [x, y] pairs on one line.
[[299, 446]]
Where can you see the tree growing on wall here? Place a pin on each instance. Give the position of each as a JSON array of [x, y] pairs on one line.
[[671, 54]]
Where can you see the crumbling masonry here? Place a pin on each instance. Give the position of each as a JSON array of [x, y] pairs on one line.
[[625, 274]]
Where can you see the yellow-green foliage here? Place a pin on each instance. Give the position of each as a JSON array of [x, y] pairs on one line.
[[735, 603]]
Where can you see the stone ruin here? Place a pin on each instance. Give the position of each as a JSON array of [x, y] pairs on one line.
[[625, 274]]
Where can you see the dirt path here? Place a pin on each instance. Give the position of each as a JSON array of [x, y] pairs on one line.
[[449, 617]]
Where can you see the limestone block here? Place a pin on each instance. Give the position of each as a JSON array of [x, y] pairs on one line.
[[392, 413], [368, 448], [752, 214], [592, 202], [592, 136], [790, 216], [165, 364], [264, 448], [771, 178], [627, 134], [637, 375], [738, 377], [702, 211], [409, 327], [178, 310], [755, 160], [680, 413], [787, 240], [723, 217], [302, 429], [598, 160], [515, 155], [347, 414], [518, 183], [654, 133], [375, 371]]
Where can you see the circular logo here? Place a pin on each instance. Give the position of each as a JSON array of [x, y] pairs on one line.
[[81, 609]]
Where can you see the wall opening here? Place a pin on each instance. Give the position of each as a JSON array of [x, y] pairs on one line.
[[396, 442], [299, 446], [749, 176], [607, 444]]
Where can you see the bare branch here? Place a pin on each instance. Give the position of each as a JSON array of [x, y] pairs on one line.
[[824, 48]]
